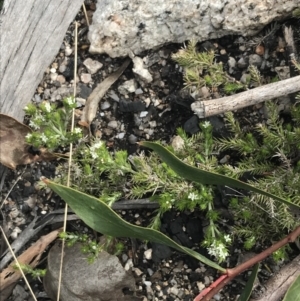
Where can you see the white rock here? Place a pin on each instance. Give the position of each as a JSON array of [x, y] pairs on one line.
[[112, 94], [138, 91], [152, 124], [177, 143], [85, 78], [68, 50], [60, 78], [105, 105], [148, 254], [92, 65], [147, 101], [147, 283], [120, 135], [200, 285], [137, 272], [128, 87], [53, 76], [80, 101], [113, 124], [174, 290], [140, 70], [121, 28], [128, 264], [143, 114]]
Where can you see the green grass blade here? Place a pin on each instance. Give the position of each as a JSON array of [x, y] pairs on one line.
[[100, 217], [245, 295], [201, 176]]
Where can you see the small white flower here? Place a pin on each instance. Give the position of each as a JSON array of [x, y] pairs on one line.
[[98, 144], [33, 125], [218, 250], [77, 130], [94, 155], [44, 138], [227, 238], [70, 101], [193, 196], [28, 136], [48, 107], [39, 117], [206, 124], [26, 108]]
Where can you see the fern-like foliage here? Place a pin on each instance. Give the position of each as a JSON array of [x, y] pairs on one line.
[[271, 155]]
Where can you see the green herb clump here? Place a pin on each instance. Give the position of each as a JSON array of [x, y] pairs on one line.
[[51, 125], [91, 247]]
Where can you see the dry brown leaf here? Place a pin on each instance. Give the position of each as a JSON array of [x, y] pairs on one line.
[[13, 148], [31, 257], [90, 110]]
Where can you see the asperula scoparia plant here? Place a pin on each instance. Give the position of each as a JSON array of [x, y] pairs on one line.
[[51, 124]]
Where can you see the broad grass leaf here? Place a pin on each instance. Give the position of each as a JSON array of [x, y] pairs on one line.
[[293, 293], [100, 217], [201, 176]]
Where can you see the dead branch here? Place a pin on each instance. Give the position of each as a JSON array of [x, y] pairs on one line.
[[248, 98]]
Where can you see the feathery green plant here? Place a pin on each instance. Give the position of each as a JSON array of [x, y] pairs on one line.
[[201, 69]]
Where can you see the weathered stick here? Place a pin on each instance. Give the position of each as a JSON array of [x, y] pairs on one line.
[[248, 98]]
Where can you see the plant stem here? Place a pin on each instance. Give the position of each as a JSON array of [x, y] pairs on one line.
[[216, 286]]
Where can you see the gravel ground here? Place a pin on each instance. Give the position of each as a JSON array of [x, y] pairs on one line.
[[134, 110]]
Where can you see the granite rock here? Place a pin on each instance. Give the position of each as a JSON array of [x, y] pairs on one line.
[[125, 27]]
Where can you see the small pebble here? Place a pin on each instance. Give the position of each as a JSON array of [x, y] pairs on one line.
[[138, 91], [112, 94], [174, 290], [137, 272], [147, 101], [148, 283], [144, 114], [85, 78], [200, 285], [148, 254], [140, 70], [152, 124], [260, 50], [128, 265], [92, 66], [60, 78], [120, 135], [105, 105], [124, 257], [128, 87], [255, 59], [53, 76], [242, 64], [113, 124], [150, 272], [68, 50], [206, 280], [132, 139]]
